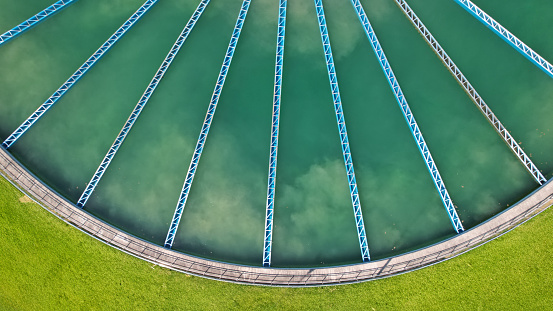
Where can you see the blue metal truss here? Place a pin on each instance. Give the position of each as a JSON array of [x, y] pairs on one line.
[[274, 135], [506, 35], [469, 89], [343, 132], [34, 20], [77, 75], [206, 125], [398, 93], [141, 103]]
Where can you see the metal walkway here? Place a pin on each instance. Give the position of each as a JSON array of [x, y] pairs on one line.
[[206, 125], [361, 233], [456, 72], [398, 93], [78, 74], [141, 103], [268, 242], [34, 20], [506, 35]]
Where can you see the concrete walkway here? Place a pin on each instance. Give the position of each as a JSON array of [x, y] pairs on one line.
[[533, 204]]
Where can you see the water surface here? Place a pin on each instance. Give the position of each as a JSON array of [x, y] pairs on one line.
[[314, 223]]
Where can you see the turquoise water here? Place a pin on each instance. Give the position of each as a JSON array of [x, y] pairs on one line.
[[314, 223]]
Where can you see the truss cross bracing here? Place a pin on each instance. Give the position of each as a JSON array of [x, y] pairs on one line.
[[398, 93], [268, 241], [78, 74], [206, 125], [34, 20], [506, 35], [456, 72], [361, 233], [141, 104]]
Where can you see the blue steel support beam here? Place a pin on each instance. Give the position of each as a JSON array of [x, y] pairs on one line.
[[141, 104], [469, 89], [206, 125], [361, 233], [268, 242], [78, 74], [398, 93], [506, 35], [34, 20]]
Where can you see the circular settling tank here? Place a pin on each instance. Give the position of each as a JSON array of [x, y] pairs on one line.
[[317, 215]]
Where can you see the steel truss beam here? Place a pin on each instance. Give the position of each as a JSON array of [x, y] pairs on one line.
[[34, 20], [486, 111], [398, 93], [78, 74], [141, 103], [506, 35], [206, 125], [361, 233], [268, 242]]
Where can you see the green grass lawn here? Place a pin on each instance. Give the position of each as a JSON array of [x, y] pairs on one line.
[[46, 264]]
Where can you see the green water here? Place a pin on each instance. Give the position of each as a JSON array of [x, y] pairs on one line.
[[314, 223]]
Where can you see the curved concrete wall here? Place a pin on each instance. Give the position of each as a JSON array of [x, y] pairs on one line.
[[534, 203]]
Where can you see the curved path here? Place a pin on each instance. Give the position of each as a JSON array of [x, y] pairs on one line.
[[533, 204]]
